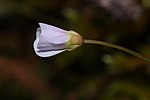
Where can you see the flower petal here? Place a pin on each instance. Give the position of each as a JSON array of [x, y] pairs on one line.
[[53, 34], [43, 45], [49, 54], [43, 25], [46, 52]]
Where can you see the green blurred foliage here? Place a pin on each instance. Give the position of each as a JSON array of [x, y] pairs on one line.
[[90, 72]]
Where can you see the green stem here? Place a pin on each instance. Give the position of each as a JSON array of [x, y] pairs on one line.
[[117, 47]]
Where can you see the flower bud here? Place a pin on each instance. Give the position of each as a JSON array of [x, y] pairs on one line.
[[51, 40]]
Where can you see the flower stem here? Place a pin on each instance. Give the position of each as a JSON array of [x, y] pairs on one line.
[[117, 47]]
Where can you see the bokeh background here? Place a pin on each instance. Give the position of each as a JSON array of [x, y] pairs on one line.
[[90, 72]]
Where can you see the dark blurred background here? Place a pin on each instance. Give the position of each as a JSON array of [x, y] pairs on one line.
[[90, 72]]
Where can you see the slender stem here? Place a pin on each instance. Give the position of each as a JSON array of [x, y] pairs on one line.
[[117, 47]]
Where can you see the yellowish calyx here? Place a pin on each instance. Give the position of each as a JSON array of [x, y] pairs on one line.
[[74, 41]]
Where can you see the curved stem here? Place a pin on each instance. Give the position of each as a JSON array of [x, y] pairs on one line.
[[117, 47]]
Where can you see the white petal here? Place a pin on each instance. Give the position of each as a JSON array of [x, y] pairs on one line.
[[44, 53], [53, 34], [49, 54], [43, 45], [38, 32], [46, 26]]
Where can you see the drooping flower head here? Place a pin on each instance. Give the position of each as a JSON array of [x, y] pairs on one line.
[[51, 40]]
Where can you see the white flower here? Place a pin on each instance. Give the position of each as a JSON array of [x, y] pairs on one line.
[[51, 40]]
